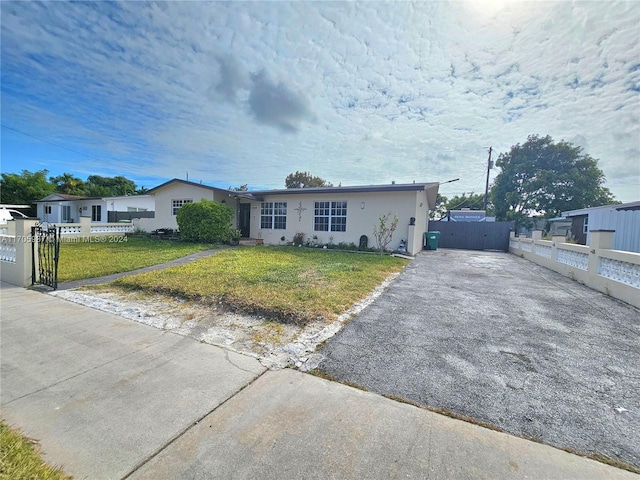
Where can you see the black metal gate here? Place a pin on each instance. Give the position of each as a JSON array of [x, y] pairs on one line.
[[473, 235], [45, 251]]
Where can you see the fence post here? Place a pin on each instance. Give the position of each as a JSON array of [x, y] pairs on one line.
[[555, 240], [85, 226], [599, 240], [536, 235]]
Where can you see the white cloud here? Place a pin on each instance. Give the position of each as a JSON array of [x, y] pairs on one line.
[[354, 92]]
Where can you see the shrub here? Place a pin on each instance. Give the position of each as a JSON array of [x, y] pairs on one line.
[[383, 231], [205, 221], [298, 238]]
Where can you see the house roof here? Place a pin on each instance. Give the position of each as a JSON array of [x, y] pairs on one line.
[[258, 195], [186, 182], [394, 187], [56, 197], [618, 206]]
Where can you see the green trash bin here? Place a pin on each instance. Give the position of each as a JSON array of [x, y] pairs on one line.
[[431, 240]]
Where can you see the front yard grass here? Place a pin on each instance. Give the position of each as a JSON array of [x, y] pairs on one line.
[[80, 260], [284, 284], [20, 458]]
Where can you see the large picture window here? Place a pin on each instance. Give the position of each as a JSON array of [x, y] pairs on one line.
[[176, 204], [330, 217], [273, 215]]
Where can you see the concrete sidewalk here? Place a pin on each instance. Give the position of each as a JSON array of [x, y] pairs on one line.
[[110, 398]]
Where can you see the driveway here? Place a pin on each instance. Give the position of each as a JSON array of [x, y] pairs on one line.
[[505, 342]]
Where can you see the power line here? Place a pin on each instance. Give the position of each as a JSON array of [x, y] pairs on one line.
[[47, 141]]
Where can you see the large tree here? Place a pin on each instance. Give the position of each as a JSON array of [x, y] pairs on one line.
[[97, 186], [305, 180], [541, 178], [67, 183], [25, 188]]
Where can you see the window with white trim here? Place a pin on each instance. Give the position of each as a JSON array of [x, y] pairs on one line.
[[273, 215], [47, 209], [96, 213], [585, 224], [176, 204], [330, 217]]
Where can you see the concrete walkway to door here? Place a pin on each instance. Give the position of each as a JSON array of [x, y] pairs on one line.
[[109, 398], [501, 340]]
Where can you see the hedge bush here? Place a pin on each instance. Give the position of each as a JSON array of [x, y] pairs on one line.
[[205, 221]]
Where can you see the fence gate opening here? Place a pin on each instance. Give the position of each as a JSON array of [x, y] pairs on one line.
[[45, 251]]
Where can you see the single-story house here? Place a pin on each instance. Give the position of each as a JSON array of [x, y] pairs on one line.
[[63, 208], [624, 218], [322, 215], [170, 196]]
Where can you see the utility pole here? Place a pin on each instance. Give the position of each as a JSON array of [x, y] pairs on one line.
[[486, 188]]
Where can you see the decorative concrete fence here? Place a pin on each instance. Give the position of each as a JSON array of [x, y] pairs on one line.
[[16, 243], [86, 228], [15, 252], [613, 272]]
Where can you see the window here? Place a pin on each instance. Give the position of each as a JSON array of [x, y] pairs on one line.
[[585, 224], [96, 213], [273, 215], [47, 209], [176, 204], [330, 217], [66, 213]]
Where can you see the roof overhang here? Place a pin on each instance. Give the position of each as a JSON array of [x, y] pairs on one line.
[[615, 206]]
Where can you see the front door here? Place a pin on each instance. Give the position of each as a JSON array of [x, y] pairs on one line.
[[244, 221]]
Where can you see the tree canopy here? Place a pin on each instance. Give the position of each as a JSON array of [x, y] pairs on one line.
[[28, 187], [305, 180], [542, 178], [97, 186], [25, 187], [67, 183]]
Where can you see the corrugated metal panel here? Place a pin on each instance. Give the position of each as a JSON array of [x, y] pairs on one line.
[[626, 224]]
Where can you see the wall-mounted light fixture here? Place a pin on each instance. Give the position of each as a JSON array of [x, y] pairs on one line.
[[362, 205]]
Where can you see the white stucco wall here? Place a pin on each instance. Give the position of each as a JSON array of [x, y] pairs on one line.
[[363, 211], [83, 208], [79, 208], [122, 204], [163, 203]]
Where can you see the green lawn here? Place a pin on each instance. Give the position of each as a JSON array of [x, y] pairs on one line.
[[20, 459], [285, 284], [94, 259]]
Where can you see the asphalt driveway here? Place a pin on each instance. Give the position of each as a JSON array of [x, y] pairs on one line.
[[499, 339]]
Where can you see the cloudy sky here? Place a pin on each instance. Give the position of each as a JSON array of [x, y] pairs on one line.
[[357, 93]]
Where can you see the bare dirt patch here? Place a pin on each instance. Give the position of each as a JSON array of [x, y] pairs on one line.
[[276, 345]]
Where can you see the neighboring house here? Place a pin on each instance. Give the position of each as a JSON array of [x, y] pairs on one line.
[[559, 226], [62, 208], [323, 215], [624, 218]]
